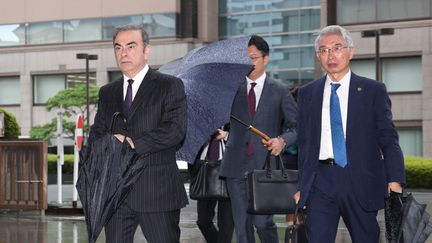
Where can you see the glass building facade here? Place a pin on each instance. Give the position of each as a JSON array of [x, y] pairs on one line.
[[287, 25], [85, 30]]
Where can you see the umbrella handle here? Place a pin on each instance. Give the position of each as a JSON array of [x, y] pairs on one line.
[[114, 118], [264, 136]]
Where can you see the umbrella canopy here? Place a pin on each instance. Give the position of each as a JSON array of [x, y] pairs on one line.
[[106, 176], [211, 75], [406, 220]]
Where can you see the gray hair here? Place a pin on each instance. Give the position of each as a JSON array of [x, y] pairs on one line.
[[334, 30], [132, 27]]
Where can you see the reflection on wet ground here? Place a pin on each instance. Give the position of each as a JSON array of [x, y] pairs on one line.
[[31, 227]]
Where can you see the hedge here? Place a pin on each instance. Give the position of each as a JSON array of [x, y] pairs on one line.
[[11, 127], [418, 170], [67, 167]]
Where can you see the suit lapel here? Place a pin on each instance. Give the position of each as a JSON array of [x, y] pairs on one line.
[[316, 102], [243, 102], [142, 94], [118, 95], [266, 95], [354, 99]]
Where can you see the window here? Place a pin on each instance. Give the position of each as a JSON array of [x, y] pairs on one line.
[[358, 11], [159, 25], [10, 90], [114, 75], [365, 68], [402, 74], [47, 86], [82, 30], [109, 24], [45, 33], [410, 140], [12, 34], [399, 74], [296, 57]]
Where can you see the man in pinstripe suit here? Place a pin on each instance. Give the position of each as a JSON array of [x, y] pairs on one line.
[[155, 107]]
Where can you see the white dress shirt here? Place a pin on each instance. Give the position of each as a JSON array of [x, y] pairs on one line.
[[326, 146], [258, 87], [137, 82]]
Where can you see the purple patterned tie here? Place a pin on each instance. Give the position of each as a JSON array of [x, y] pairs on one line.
[[213, 150], [128, 99], [252, 99], [252, 104]]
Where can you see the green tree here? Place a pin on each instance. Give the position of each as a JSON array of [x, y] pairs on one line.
[[72, 100], [49, 130], [11, 127]]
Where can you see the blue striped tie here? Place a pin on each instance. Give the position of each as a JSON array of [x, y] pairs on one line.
[[338, 139]]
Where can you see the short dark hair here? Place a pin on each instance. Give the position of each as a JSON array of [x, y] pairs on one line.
[[260, 44], [131, 27]]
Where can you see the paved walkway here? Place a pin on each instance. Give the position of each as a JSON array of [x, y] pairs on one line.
[[30, 227]]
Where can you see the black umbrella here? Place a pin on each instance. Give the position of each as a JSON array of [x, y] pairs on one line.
[[406, 220], [211, 75], [107, 174]]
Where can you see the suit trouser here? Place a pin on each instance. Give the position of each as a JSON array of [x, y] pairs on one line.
[[332, 197], [225, 225], [243, 221], [157, 227]]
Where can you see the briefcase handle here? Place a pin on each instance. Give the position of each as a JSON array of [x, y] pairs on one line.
[[114, 119], [267, 165]]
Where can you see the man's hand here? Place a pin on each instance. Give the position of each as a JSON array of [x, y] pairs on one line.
[[121, 138], [394, 187], [275, 145], [221, 134], [297, 197]]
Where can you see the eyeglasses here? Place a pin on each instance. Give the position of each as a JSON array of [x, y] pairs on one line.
[[335, 50], [255, 58]]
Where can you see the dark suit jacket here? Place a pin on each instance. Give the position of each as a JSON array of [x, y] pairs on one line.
[[374, 155], [275, 116], [157, 126]]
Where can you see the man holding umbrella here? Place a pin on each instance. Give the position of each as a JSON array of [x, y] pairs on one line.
[[154, 105], [269, 107]]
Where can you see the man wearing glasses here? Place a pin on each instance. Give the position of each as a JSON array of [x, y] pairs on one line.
[[349, 155], [268, 106]]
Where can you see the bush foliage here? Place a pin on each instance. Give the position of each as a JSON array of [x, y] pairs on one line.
[[11, 127], [67, 167], [418, 172]]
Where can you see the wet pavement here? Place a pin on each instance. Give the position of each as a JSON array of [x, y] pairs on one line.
[[32, 227]]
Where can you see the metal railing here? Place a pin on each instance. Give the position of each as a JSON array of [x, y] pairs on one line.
[[23, 174]]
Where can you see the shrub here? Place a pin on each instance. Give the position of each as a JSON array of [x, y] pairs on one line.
[[11, 127], [67, 167], [418, 172]]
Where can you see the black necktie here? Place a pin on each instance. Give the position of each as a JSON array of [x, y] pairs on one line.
[[128, 99]]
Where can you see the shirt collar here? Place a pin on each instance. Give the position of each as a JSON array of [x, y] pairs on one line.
[[344, 82], [259, 81], [139, 77]]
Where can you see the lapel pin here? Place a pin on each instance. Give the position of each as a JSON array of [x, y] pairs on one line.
[[359, 89]]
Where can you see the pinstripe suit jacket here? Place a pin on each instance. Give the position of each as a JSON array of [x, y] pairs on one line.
[[157, 126], [275, 116]]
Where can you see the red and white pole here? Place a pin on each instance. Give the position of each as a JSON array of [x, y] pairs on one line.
[[77, 148]]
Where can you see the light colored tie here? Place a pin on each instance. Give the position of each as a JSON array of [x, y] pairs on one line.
[[338, 139]]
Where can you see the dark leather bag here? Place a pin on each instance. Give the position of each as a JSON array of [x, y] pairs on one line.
[[271, 191], [297, 233], [206, 183]]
